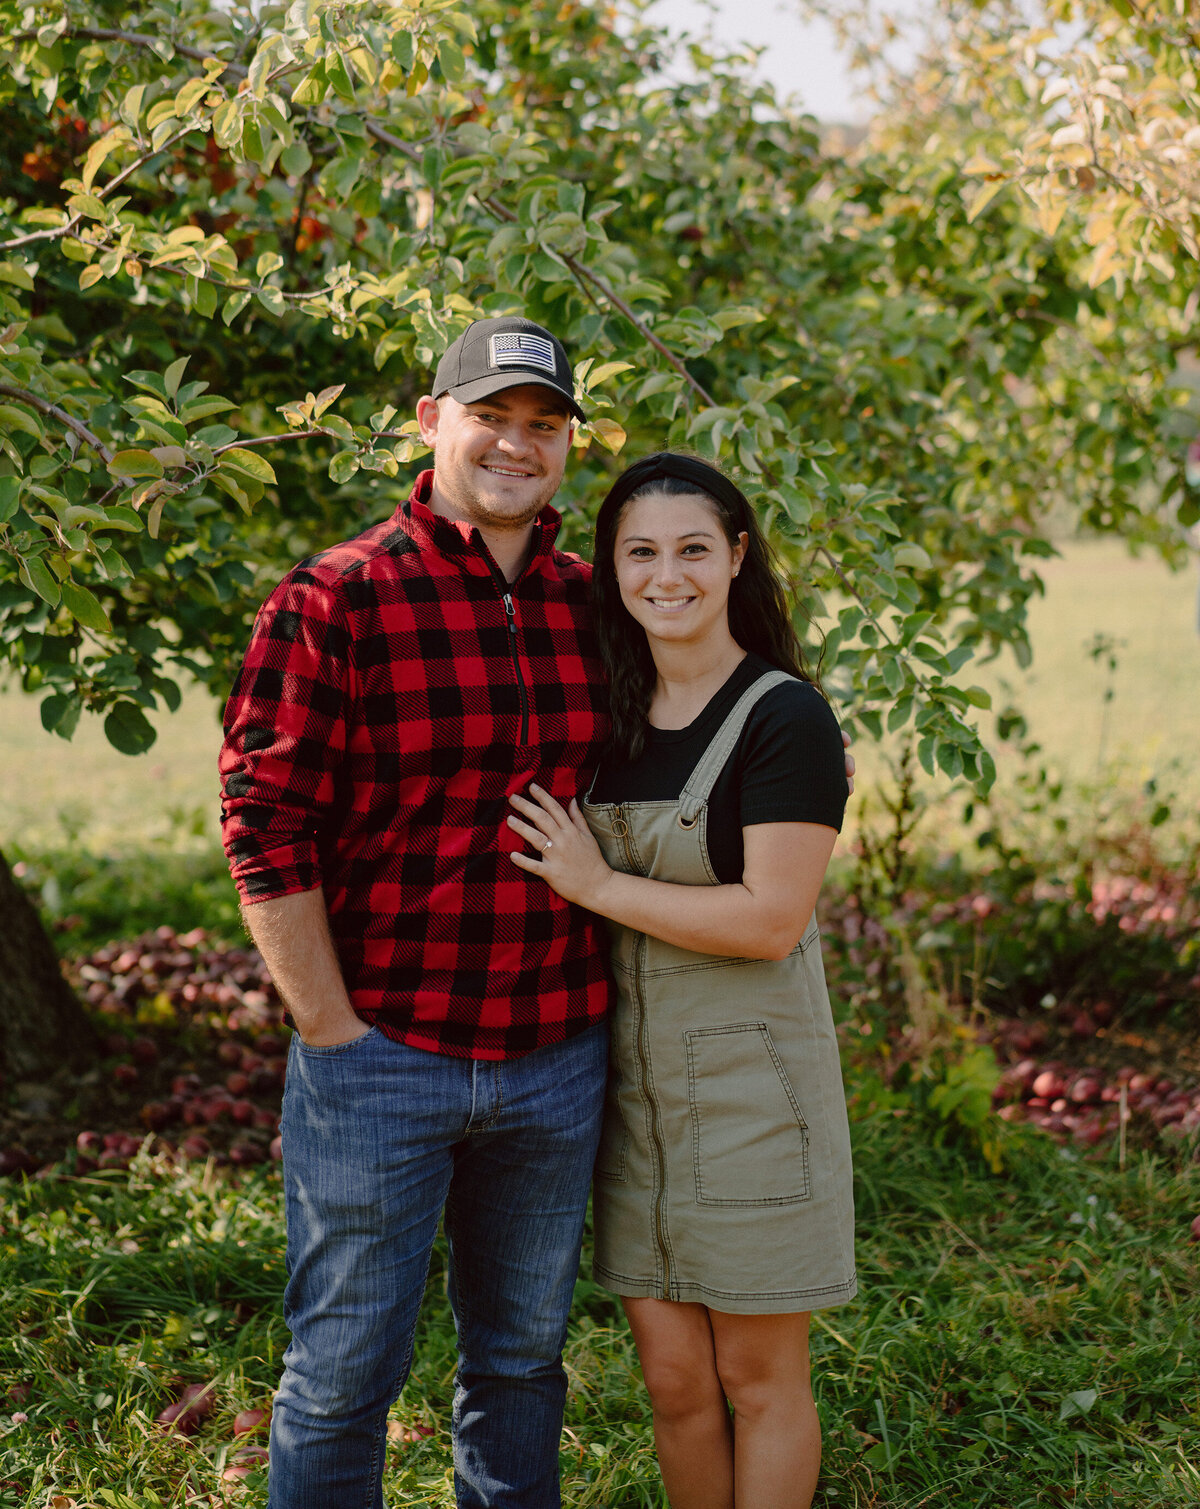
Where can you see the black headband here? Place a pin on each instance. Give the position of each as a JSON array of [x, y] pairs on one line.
[[664, 464]]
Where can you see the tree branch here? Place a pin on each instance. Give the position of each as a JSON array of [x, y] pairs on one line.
[[44, 406]]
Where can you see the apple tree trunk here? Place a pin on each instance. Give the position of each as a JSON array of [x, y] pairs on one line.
[[42, 1024]]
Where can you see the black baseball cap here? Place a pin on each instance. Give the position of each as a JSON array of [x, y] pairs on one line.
[[508, 352]]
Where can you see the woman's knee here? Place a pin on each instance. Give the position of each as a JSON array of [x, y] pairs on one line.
[[678, 1389], [760, 1371]]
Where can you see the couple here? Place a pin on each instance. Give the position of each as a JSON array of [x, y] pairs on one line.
[[427, 811]]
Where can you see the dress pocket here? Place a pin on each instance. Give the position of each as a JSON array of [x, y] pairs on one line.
[[749, 1136]]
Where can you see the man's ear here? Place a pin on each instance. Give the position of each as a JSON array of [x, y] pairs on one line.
[[427, 419]]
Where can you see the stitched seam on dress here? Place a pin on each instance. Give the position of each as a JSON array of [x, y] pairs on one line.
[[848, 1287]]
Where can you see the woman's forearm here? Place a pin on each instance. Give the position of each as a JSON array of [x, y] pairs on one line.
[[728, 920]]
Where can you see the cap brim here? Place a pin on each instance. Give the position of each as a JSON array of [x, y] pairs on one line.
[[497, 382]]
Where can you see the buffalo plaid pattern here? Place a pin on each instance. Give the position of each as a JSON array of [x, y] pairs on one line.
[[388, 706]]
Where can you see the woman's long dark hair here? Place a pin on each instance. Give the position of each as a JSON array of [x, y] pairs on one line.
[[760, 617]]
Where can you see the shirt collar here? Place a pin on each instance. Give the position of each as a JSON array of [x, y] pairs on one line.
[[461, 541]]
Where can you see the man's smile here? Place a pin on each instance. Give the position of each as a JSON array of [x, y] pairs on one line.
[[506, 471]]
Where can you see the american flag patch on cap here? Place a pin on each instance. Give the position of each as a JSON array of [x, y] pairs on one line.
[[519, 349]]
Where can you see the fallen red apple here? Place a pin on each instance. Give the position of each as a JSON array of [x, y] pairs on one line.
[[188, 1411], [229, 1052], [250, 1420], [88, 1142], [1049, 1084], [124, 1074], [244, 1463], [1196, 1229], [145, 1050]]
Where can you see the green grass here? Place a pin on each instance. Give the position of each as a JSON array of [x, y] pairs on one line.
[[1021, 1341]]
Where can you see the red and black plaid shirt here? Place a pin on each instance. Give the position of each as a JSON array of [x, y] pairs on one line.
[[395, 693]]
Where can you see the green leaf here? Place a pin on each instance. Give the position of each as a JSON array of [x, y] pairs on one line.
[[38, 576], [977, 696], [272, 299], [173, 376], [453, 63], [55, 710], [201, 408], [912, 556], [1078, 1403], [339, 76], [234, 305], [343, 466], [205, 298], [984, 195], [86, 607], [327, 396], [296, 158], [128, 729], [312, 88], [131, 105], [227, 124], [19, 419], [135, 463], [249, 462], [949, 757], [252, 140], [10, 492], [189, 96], [404, 49], [99, 150], [17, 274]]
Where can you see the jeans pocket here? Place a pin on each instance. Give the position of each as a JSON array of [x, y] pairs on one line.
[[749, 1135], [333, 1050]]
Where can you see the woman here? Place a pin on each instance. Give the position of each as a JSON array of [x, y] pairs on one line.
[[722, 1198]]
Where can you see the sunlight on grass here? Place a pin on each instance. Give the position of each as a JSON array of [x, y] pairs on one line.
[[1019, 1341]]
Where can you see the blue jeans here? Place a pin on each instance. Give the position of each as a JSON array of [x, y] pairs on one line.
[[378, 1139]]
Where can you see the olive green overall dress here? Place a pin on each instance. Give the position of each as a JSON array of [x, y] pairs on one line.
[[724, 1168]]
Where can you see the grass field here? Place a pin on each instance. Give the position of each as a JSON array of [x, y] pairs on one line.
[[86, 793], [1018, 1342]]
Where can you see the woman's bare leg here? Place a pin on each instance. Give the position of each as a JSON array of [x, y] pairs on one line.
[[691, 1418], [762, 1362]]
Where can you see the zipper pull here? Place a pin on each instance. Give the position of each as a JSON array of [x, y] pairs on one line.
[[511, 612]]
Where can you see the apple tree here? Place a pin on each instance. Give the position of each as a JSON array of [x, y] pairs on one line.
[[233, 243]]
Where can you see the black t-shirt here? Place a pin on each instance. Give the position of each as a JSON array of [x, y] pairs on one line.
[[788, 766]]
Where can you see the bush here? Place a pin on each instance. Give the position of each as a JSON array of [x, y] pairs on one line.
[[88, 898]]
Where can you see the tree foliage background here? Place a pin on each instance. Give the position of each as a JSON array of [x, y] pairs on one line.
[[234, 242]]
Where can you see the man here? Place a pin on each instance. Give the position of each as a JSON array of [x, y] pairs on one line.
[[449, 1010], [450, 1050]]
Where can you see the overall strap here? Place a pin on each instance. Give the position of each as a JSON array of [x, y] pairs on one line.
[[712, 761]]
